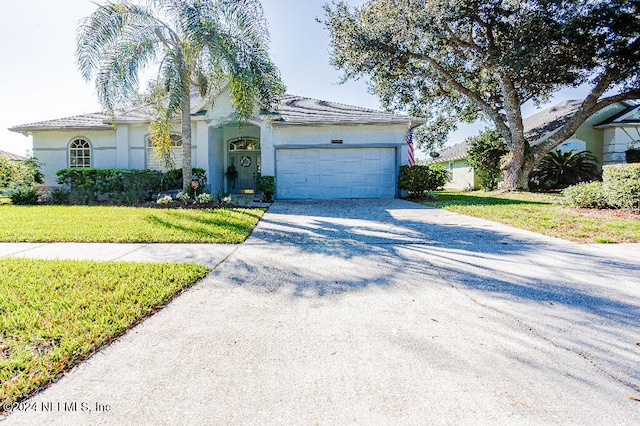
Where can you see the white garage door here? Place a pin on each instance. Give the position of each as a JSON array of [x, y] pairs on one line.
[[336, 173]]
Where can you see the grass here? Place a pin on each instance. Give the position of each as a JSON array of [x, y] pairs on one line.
[[55, 313], [542, 213], [125, 224]]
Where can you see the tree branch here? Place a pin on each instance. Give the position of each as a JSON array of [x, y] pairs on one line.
[[449, 80]]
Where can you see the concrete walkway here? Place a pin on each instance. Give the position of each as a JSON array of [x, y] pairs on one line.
[[377, 312]]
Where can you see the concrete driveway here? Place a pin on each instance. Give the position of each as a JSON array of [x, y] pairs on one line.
[[378, 312]]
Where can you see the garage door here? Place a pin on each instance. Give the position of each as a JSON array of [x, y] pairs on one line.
[[336, 173]]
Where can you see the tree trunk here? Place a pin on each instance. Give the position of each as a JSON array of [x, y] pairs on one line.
[[187, 169], [512, 169]]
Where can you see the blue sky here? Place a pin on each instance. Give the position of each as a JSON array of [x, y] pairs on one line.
[[39, 79]]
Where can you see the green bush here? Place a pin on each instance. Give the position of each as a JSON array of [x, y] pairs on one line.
[[620, 188], [561, 169], [14, 174], [172, 179], [484, 154], [126, 186], [622, 185], [633, 155], [418, 179], [60, 196], [586, 195], [24, 195], [266, 185]]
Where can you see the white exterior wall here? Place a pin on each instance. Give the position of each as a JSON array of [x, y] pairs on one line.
[[52, 148]]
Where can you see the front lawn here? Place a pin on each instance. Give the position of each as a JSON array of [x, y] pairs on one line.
[[542, 213], [55, 313], [125, 224]]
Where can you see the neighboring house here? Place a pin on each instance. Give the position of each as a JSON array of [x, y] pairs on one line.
[[315, 149], [11, 156], [608, 134]]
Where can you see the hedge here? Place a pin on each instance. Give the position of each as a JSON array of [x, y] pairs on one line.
[[418, 179], [622, 185], [620, 189], [126, 186]]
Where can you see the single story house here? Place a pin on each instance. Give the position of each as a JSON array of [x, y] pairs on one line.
[[314, 148], [607, 134]]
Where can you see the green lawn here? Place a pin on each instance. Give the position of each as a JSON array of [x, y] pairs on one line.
[[125, 224], [55, 313], [542, 213]]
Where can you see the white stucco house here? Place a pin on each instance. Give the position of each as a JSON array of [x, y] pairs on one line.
[[314, 148], [607, 134]]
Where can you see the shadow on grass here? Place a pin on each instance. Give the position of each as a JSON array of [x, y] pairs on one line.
[[210, 228], [469, 199]]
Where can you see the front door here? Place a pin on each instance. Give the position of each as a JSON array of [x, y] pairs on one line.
[[247, 163]]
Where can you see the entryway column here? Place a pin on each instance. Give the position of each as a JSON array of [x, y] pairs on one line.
[[268, 150]]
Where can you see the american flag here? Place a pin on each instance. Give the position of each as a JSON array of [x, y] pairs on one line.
[[408, 138]]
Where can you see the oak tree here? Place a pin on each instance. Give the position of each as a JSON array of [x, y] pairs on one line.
[[460, 60]]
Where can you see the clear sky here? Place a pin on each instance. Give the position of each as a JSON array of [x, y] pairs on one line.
[[39, 79]]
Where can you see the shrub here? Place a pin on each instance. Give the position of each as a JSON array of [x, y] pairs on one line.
[[183, 196], [14, 174], [586, 195], [128, 186], [266, 185], [25, 195], [622, 185], [484, 155], [633, 155], [60, 196], [418, 179], [561, 169], [172, 179], [165, 200], [204, 198]]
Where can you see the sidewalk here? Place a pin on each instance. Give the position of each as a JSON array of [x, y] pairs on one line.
[[205, 254]]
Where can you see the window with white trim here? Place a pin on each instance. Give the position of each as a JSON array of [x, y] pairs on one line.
[[154, 162], [79, 153]]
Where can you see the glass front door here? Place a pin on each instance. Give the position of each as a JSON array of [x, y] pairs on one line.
[[244, 155]]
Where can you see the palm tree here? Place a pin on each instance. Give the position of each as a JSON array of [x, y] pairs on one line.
[[561, 169], [199, 44]]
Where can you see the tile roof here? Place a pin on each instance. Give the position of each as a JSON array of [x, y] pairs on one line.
[[301, 110], [11, 156], [456, 152], [85, 121], [295, 110], [535, 126]]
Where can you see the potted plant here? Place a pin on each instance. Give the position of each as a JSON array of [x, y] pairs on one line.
[[266, 185]]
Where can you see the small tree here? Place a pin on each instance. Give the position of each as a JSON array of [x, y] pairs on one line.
[[420, 178], [14, 174], [485, 154]]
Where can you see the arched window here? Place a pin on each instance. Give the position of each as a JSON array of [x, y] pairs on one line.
[[154, 162], [79, 153], [244, 144]]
